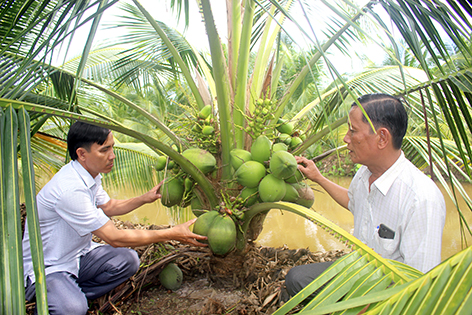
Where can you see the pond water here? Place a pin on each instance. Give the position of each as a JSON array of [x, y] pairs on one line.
[[285, 228]]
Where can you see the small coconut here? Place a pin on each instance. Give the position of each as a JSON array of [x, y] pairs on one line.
[[239, 157], [307, 197], [291, 193], [271, 189], [208, 130], [283, 164], [222, 235], [172, 191], [285, 138], [296, 178], [250, 174], [295, 142], [171, 277], [161, 162], [202, 159], [250, 195], [203, 223], [279, 146], [205, 112], [284, 126], [260, 149]]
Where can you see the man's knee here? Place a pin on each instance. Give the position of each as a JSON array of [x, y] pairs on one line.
[[132, 261], [64, 295], [300, 276], [76, 305], [293, 280]]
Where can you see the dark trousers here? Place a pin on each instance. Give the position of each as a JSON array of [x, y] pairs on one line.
[[300, 276], [101, 270]]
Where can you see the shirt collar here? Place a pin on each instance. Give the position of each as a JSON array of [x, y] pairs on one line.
[[385, 181], [85, 175]]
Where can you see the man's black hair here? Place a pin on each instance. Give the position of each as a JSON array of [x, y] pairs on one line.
[[83, 135], [386, 111]]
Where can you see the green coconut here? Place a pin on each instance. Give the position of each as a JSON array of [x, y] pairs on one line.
[[205, 112], [222, 235], [271, 189], [291, 193], [284, 126], [285, 138], [260, 149], [202, 159], [208, 130], [172, 191], [279, 146], [283, 164], [250, 195], [307, 197], [203, 223], [171, 277], [196, 205], [296, 178], [295, 142], [239, 157], [250, 174], [161, 162]]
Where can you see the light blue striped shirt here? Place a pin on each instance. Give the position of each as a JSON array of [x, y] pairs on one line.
[[68, 213]]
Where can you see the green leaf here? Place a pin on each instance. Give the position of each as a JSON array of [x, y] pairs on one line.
[[12, 255], [36, 244]]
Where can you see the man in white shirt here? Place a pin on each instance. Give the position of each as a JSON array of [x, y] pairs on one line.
[[398, 211], [72, 207]]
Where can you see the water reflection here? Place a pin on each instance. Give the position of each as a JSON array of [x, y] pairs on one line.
[[284, 228]]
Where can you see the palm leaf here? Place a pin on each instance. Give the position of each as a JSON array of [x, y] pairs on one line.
[[36, 244], [11, 263]]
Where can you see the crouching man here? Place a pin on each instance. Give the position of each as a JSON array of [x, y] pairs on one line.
[[72, 207]]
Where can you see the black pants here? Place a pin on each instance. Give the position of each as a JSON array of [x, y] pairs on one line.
[[300, 276]]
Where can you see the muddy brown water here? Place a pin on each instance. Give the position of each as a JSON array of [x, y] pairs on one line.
[[285, 228]]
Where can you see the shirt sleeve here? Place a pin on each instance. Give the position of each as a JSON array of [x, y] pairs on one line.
[[101, 196], [79, 210], [422, 235]]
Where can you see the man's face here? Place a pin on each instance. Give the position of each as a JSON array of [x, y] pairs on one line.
[[360, 138], [99, 159]]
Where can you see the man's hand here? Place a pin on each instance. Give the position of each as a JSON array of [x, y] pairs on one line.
[[309, 168], [183, 234], [153, 194]]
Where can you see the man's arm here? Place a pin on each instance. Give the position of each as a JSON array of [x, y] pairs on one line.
[[338, 193], [116, 207], [132, 238]]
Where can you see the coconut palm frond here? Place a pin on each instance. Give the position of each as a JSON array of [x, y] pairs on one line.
[[416, 148], [443, 290], [145, 45], [419, 22]]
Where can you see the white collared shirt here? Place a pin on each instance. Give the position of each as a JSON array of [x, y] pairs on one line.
[[408, 202], [68, 213]]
